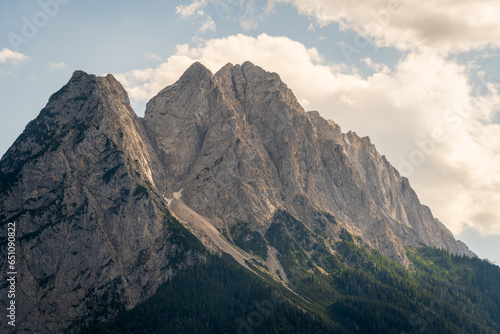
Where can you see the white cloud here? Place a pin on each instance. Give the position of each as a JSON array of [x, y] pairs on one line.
[[56, 65], [14, 57], [253, 15], [191, 9], [400, 109], [377, 67], [152, 56], [446, 25], [195, 10], [248, 24], [208, 24], [248, 13]]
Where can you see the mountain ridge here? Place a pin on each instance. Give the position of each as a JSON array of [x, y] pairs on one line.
[[250, 136], [88, 183]]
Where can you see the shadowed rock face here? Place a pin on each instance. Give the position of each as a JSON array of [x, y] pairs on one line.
[[92, 235], [240, 146], [86, 184]]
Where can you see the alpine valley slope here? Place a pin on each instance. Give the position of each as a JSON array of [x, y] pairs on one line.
[[97, 193]]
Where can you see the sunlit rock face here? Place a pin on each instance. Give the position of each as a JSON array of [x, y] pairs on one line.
[[240, 146]]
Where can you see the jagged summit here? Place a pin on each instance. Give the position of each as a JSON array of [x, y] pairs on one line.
[[248, 80], [83, 87], [79, 73], [83, 78], [197, 71], [86, 99]]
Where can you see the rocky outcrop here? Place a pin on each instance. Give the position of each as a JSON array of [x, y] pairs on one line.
[[465, 251], [93, 237]]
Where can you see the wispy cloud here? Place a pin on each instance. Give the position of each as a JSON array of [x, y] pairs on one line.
[[7, 55], [208, 25], [56, 65], [152, 56], [195, 10], [248, 13], [253, 15]]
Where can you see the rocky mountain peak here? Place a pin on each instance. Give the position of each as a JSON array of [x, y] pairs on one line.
[[79, 98], [94, 236], [84, 101], [255, 88], [82, 81], [196, 72], [241, 147]]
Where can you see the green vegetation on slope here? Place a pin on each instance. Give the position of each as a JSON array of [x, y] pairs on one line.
[[366, 292], [218, 296], [340, 286], [248, 240]]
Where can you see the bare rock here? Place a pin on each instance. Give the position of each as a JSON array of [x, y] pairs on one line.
[[92, 236]]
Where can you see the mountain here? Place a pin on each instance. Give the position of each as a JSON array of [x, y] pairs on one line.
[[93, 237], [109, 207], [239, 146]]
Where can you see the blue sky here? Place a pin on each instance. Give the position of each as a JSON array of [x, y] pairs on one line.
[[421, 78]]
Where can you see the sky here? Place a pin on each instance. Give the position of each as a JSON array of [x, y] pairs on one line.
[[420, 78]]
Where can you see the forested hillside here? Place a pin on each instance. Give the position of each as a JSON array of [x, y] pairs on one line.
[[440, 293]]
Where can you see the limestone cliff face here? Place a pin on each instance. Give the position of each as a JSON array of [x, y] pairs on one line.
[[92, 235], [396, 202], [241, 147]]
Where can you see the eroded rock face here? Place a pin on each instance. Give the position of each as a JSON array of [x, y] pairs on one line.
[[241, 147], [86, 184], [93, 237]]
